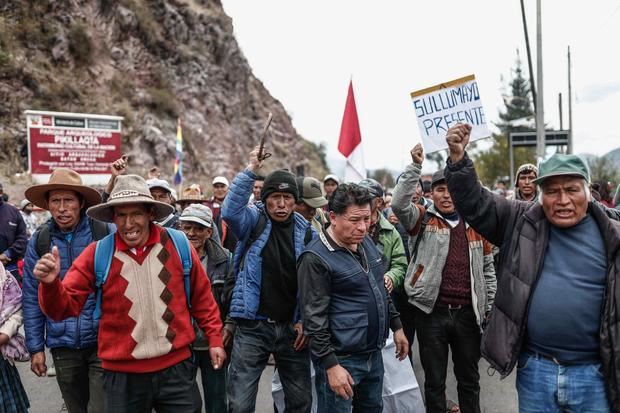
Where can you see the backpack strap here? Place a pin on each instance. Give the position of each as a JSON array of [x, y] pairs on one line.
[[44, 240], [256, 231], [181, 244], [104, 251], [98, 229], [308, 235], [425, 219]]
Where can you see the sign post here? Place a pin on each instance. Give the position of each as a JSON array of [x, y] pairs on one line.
[[82, 142]]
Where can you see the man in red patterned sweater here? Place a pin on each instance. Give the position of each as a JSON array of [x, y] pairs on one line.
[[145, 330]]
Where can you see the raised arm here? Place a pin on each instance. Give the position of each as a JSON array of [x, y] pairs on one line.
[[407, 213], [240, 216], [489, 214]]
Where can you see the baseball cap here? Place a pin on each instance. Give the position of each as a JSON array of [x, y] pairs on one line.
[[331, 177], [24, 203], [159, 183], [220, 180], [375, 188], [438, 178], [198, 213], [310, 192], [562, 165]]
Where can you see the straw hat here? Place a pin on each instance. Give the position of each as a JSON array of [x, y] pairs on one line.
[[129, 189], [62, 178]]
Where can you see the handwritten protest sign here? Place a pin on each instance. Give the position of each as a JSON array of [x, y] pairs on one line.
[[442, 106]]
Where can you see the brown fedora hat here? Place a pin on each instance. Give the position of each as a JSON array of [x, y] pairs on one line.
[[191, 194], [62, 178], [129, 189]]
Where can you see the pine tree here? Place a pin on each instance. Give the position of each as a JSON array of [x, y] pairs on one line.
[[493, 163]]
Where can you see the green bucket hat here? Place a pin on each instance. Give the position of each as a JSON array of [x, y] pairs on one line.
[[562, 165]]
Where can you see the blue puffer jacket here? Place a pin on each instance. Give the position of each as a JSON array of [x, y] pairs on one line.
[[242, 218], [73, 332]]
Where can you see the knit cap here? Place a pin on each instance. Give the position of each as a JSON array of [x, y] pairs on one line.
[[280, 180]]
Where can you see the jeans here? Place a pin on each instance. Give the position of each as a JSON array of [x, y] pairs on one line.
[[213, 382], [458, 329], [80, 378], [367, 373], [543, 386], [254, 341], [170, 390]]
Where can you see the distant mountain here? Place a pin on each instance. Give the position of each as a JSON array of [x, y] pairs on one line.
[[614, 156]]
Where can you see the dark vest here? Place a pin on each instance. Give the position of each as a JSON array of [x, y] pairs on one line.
[[354, 295]]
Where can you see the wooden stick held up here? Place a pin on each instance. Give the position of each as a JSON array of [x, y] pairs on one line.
[[262, 155]]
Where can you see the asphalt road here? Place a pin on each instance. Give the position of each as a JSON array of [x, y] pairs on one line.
[[496, 396]]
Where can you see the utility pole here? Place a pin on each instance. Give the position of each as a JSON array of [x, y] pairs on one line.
[[540, 112], [529, 55], [569, 148], [560, 110]]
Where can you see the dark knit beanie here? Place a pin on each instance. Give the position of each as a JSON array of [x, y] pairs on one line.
[[280, 181]]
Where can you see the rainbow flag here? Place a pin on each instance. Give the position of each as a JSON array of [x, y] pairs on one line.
[[178, 162]]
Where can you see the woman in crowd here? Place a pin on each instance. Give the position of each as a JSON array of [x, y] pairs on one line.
[[13, 398]]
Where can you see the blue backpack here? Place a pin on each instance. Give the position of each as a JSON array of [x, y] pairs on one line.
[[104, 251]]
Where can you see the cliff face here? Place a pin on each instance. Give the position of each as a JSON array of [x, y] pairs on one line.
[[150, 61]]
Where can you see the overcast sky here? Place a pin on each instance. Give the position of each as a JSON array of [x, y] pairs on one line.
[[306, 52]]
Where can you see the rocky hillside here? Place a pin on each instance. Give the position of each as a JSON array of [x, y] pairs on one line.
[[149, 61]]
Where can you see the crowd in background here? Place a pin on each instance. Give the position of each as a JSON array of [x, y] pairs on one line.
[[312, 275]]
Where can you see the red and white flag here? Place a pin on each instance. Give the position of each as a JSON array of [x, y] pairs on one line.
[[350, 143]]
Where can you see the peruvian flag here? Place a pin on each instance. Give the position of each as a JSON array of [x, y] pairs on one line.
[[350, 143]]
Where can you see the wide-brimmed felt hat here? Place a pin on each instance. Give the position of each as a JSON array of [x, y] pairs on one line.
[[310, 192], [62, 179], [562, 165], [129, 189], [191, 194]]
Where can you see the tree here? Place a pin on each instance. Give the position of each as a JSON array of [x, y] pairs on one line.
[[493, 163], [603, 169], [384, 177]]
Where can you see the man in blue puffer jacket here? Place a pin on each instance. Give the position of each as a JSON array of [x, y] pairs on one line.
[[265, 297], [73, 342]]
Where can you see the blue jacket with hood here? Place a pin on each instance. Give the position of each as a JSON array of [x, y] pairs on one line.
[[74, 332], [242, 218]]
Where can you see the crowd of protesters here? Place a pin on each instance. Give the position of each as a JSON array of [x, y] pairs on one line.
[[135, 289]]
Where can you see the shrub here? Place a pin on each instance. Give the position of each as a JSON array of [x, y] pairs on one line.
[[80, 45]]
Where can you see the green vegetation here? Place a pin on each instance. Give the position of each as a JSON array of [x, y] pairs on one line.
[[147, 24], [492, 164], [80, 44], [163, 102]]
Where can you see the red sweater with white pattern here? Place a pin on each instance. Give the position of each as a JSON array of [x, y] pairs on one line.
[[145, 322]]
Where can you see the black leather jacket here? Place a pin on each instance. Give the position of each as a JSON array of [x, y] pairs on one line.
[[521, 229]]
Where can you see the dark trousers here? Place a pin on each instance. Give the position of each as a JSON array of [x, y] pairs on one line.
[[80, 378], [407, 318], [213, 382], [170, 390], [458, 329], [254, 342]]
